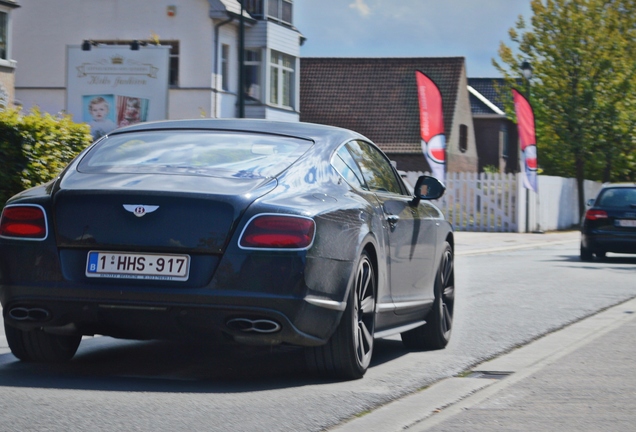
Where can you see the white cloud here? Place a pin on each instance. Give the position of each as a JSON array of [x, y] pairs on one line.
[[361, 7]]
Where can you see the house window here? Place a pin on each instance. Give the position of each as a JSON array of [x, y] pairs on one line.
[[503, 139], [174, 54], [225, 67], [463, 138], [3, 35], [174, 61], [280, 10], [252, 77], [281, 79], [254, 7]]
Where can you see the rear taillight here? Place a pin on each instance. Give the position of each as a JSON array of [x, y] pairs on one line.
[[278, 232], [593, 214], [24, 221]]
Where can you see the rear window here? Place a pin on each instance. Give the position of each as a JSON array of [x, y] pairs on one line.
[[617, 197], [219, 154]]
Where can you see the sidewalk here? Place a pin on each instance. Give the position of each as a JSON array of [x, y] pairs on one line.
[[580, 378], [472, 243]]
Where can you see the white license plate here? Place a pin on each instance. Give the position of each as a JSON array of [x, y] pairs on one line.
[[137, 266], [626, 222]]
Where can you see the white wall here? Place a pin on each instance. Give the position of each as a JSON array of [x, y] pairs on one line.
[[48, 100], [185, 104], [556, 206], [43, 29]]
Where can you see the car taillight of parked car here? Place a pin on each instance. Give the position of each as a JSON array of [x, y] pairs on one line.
[[593, 214], [278, 232], [24, 222]]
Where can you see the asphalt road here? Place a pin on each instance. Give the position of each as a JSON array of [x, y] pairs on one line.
[[505, 299]]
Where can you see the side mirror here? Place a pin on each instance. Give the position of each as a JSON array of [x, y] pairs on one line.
[[427, 188], [590, 202]]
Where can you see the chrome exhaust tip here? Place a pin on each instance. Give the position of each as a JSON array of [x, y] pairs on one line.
[[29, 314], [19, 313], [247, 325]]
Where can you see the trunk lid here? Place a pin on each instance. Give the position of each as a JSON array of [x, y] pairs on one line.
[[136, 212]]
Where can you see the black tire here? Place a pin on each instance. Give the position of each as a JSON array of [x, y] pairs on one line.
[[586, 254], [39, 346], [600, 255], [348, 352], [436, 333]]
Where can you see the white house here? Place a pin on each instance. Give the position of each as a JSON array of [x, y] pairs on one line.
[[7, 64], [204, 36]]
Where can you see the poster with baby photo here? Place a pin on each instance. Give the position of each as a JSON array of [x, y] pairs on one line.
[[131, 110], [99, 113]]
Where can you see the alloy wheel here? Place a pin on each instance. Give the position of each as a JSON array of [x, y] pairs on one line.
[[447, 281], [364, 312]]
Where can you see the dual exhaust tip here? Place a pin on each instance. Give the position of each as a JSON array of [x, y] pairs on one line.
[[29, 314], [247, 325]]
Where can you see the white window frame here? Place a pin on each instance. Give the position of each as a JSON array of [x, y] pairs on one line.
[[253, 95], [282, 80], [225, 67], [4, 36]]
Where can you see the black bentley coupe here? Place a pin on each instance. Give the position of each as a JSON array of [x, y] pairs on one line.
[[247, 231]]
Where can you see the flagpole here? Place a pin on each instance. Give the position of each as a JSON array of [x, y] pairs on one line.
[[526, 71], [538, 229]]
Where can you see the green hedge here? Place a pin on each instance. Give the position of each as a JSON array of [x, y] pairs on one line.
[[35, 147]]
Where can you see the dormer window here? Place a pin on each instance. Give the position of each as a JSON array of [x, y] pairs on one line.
[[254, 7], [280, 10], [275, 10]]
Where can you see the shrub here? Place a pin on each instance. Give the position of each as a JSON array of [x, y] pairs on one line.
[[34, 148]]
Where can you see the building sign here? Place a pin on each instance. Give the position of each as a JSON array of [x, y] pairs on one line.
[[111, 86]]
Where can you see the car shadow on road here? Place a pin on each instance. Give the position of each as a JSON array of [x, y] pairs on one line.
[[108, 364]]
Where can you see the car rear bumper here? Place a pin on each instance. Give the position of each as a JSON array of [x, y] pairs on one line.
[[265, 292], [619, 242], [262, 322]]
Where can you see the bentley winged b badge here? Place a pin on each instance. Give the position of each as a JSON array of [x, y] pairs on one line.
[[139, 209]]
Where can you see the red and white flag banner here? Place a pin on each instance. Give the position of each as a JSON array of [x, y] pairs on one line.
[[527, 138], [432, 135]]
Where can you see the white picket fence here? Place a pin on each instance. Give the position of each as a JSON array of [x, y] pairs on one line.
[[497, 202], [479, 202]]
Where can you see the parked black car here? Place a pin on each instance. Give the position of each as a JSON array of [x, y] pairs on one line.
[[251, 231], [609, 225]]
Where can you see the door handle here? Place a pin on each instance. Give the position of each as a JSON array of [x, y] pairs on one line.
[[392, 219]]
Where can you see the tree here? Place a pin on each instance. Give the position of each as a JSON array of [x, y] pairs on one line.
[[583, 54], [35, 147]]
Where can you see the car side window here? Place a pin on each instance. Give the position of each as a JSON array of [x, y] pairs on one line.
[[376, 168], [348, 168]]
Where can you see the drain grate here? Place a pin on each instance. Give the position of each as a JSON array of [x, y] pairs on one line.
[[488, 374]]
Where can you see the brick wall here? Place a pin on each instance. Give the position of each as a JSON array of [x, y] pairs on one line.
[[7, 87]]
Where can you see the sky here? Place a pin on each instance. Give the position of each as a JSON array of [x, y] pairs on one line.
[[472, 29]]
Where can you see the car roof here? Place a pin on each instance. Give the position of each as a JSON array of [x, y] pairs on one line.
[[310, 131], [619, 185]]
